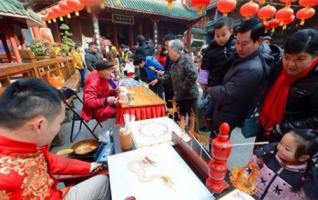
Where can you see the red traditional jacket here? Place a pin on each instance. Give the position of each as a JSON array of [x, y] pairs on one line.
[[26, 171], [95, 91]]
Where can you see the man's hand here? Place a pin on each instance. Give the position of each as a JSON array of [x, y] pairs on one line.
[[116, 90], [152, 68], [111, 100], [204, 87], [160, 73], [95, 167], [154, 82]]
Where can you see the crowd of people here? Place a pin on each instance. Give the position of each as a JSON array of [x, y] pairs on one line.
[[249, 82]]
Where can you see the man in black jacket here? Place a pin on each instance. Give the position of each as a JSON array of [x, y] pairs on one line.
[[237, 93], [91, 56]]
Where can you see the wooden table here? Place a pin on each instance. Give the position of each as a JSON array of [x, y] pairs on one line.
[[146, 105]]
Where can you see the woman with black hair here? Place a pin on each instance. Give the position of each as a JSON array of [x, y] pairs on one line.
[[292, 98]]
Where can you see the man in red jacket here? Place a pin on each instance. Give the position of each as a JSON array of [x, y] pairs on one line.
[[98, 97], [31, 113]]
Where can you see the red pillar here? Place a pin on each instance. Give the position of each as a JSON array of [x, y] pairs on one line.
[[6, 48], [115, 35], [189, 36], [15, 47], [36, 32]]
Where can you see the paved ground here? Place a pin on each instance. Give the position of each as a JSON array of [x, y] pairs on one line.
[[239, 156]]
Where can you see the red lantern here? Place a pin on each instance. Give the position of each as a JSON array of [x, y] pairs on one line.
[[249, 9], [66, 8], [287, 21], [308, 3], [287, 2], [305, 13], [273, 24], [200, 4], [266, 12], [226, 6], [91, 3], [51, 16], [75, 5], [284, 14], [56, 10]]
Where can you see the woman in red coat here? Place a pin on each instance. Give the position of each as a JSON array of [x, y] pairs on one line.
[[98, 97]]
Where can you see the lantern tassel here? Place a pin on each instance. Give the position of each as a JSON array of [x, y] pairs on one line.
[[225, 14], [69, 15], [49, 21], [284, 27], [76, 13], [273, 30], [54, 20], [89, 10], [302, 22], [169, 5], [61, 18], [102, 5]]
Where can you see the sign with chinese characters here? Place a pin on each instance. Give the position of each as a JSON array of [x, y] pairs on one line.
[[123, 19]]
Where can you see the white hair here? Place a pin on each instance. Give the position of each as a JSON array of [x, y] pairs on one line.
[[177, 45]]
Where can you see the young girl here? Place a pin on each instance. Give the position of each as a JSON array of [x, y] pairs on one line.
[[285, 166]]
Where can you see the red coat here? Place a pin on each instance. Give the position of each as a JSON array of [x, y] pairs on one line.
[[95, 91], [26, 171]]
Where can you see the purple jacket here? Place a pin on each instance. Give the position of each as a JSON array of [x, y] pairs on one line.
[[276, 179]]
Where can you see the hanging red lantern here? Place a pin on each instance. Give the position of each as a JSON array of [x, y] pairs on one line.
[[284, 14], [66, 8], [249, 9], [200, 4], [261, 2], [51, 16], [226, 6], [287, 2], [75, 5], [287, 21], [273, 23], [308, 3], [266, 12], [92, 3], [56, 10], [305, 13]]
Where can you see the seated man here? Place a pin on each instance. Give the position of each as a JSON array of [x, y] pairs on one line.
[[31, 113], [98, 97]]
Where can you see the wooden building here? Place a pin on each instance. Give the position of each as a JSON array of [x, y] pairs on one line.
[[122, 22]]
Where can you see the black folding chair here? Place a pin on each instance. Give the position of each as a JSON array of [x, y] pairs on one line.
[[69, 96]]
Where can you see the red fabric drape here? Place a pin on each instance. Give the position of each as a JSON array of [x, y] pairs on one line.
[[141, 113]]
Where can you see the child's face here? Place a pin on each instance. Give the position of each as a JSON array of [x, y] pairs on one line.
[[222, 35], [287, 147]]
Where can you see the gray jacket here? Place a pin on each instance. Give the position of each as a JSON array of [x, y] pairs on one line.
[[239, 91], [184, 75]]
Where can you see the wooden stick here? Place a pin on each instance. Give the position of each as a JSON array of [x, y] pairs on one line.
[[250, 143]]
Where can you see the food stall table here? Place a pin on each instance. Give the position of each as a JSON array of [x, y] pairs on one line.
[[146, 105]]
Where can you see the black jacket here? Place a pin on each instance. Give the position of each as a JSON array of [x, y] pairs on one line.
[[239, 90], [217, 60], [91, 59], [302, 103]]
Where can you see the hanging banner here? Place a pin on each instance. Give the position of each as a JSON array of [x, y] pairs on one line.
[[123, 19]]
